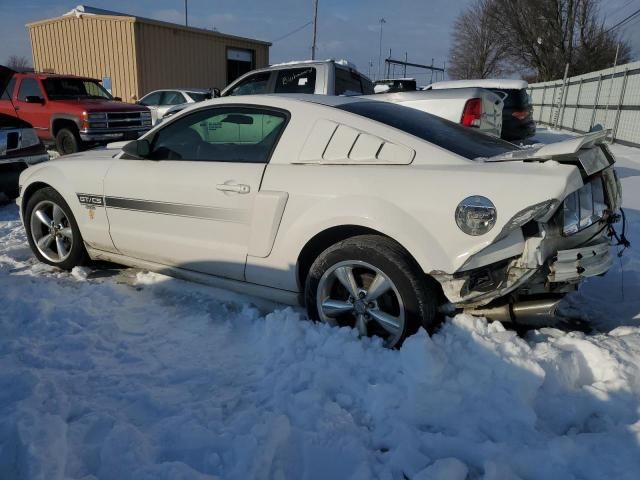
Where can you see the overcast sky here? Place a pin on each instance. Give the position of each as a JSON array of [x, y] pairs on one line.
[[347, 28]]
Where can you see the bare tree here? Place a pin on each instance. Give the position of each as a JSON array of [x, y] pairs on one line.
[[476, 50], [545, 35], [18, 63]]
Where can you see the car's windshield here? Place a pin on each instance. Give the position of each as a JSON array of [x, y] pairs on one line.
[[65, 88], [463, 141]]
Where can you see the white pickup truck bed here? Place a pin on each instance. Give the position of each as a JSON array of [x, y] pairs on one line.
[[450, 104]]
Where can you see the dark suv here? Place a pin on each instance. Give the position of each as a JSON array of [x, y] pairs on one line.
[[517, 113]]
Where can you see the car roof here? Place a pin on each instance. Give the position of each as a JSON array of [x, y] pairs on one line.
[[506, 83]]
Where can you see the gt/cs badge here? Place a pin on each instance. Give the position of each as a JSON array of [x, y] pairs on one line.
[[89, 200]]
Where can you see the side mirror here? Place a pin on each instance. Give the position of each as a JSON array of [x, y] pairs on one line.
[[137, 149], [216, 93], [34, 99]]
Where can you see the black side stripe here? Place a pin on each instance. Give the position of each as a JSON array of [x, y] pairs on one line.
[[235, 215]]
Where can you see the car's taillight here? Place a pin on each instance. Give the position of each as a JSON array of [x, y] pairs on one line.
[[520, 115], [472, 113]]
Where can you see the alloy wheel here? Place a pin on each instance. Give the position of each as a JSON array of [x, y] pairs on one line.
[[357, 294], [51, 231]]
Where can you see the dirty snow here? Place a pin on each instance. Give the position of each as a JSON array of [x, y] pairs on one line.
[[122, 374]]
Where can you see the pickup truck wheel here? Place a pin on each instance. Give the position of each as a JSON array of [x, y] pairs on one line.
[[52, 231], [68, 141], [372, 284]]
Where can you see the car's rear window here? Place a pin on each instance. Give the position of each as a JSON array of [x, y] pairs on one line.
[[515, 98], [463, 141]]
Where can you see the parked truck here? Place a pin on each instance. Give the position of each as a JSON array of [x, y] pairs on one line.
[[472, 107], [72, 112]]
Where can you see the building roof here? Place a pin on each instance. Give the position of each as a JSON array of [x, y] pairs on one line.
[[86, 10], [507, 84]]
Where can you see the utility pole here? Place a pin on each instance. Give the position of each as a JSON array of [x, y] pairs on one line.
[[382, 21], [315, 29], [186, 16]]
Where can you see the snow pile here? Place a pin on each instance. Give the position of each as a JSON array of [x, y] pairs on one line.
[[121, 374]]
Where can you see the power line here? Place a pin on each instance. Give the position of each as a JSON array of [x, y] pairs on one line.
[[292, 32], [621, 22]]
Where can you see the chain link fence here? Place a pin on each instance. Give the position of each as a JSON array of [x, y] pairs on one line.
[[609, 97]]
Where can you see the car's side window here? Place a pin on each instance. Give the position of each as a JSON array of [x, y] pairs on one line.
[[29, 87], [296, 80], [171, 97], [222, 134], [152, 99], [347, 82], [253, 85]]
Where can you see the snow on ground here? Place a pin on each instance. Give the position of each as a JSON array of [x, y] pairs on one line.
[[123, 374]]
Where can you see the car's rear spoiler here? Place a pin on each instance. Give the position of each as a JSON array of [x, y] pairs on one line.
[[558, 149], [561, 151]]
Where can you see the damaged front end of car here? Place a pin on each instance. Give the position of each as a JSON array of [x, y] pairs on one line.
[[548, 249]]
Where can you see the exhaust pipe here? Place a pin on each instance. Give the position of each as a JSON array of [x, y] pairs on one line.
[[535, 313]]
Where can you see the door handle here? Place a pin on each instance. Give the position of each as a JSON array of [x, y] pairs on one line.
[[236, 188]]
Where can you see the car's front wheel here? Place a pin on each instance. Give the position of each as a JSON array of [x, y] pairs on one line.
[[372, 284], [52, 231]]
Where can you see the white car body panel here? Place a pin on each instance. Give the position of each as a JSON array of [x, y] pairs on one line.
[[252, 239], [506, 83]]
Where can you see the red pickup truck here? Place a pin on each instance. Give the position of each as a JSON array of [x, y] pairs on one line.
[[72, 112]]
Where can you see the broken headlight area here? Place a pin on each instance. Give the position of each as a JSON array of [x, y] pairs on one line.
[[585, 207]]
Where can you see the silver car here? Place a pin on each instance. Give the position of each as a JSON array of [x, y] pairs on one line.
[[159, 101]]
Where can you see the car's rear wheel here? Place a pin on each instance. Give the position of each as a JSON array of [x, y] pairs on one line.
[[372, 284], [68, 141], [52, 231]]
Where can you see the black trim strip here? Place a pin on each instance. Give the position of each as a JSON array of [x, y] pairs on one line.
[[234, 215]]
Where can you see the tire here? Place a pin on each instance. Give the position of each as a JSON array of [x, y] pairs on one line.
[[410, 300], [68, 141], [66, 248]]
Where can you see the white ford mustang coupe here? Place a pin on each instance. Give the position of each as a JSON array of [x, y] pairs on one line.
[[373, 215]]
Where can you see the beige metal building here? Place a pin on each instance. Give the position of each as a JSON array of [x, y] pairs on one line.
[[136, 55]]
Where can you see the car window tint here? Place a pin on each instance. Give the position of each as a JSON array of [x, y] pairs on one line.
[[152, 99], [8, 92], [253, 85], [29, 87], [225, 134], [172, 98], [460, 140], [296, 80], [63, 88], [347, 82], [515, 98]]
